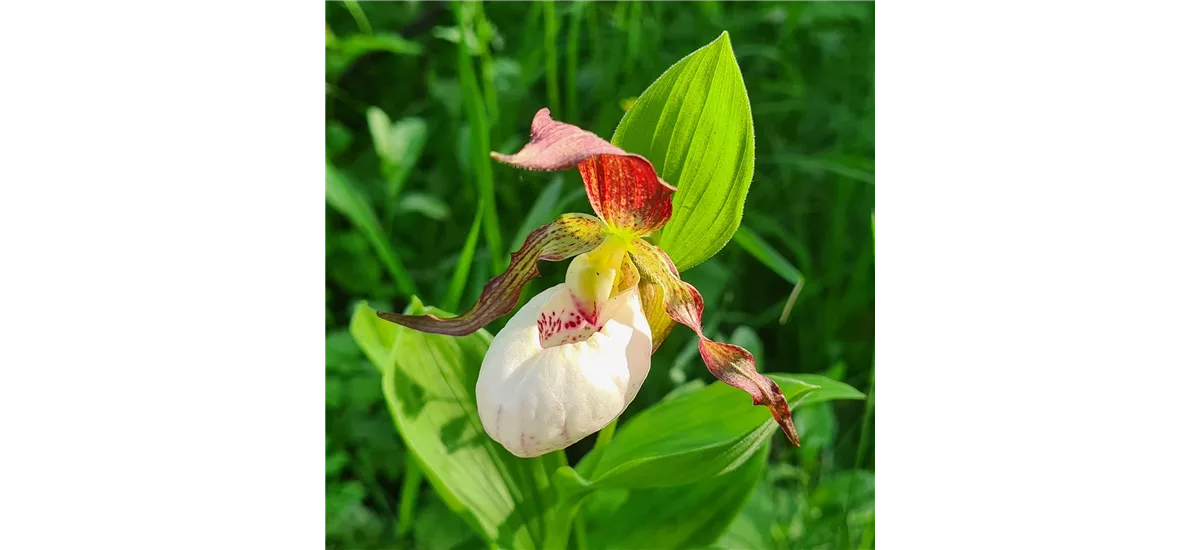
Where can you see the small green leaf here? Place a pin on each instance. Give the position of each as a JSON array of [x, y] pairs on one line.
[[398, 145], [711, 432], [429, 382], [831, 389], [359, 44], [424, 204], [696, 513], [694, 125], [350, 48]]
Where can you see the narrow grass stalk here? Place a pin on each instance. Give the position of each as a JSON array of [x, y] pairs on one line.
[[463, 268], [551, 26], [360, 18], [573, 61], [868, 415], [791, 301], [483, 31], [634, 28], [480, 145], [408, 494]]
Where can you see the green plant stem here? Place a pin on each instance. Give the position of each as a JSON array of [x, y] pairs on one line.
[[551, 25], [602, 441], [581, 542], [606, 434], [408, 493], [564, 522], [360, 18], [866, 423]]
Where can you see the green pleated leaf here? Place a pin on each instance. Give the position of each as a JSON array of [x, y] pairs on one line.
[[694, 125], [429, 382]]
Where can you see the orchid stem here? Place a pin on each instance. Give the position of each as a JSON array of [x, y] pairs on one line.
[[606, 435], [581, 541], [408, 495]]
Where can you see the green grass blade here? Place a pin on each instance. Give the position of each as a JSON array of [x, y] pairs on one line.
[[765, 253], [463, 268], [360, 18], [634, 37], [551, 26], [855, 169], [573, 61], [483, 31], [480, 145], [868, 411], [408, 493], [348, 200]]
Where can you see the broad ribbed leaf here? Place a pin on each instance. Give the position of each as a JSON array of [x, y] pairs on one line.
[[429, 382], [694, 125], [695, 436]]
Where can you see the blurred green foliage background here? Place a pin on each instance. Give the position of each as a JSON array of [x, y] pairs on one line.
[[404, 183]]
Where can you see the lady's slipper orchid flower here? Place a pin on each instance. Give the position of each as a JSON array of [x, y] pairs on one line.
[[574, 356]]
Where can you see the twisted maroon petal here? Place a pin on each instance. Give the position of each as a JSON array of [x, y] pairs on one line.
[[567, 236], [731, 364]]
